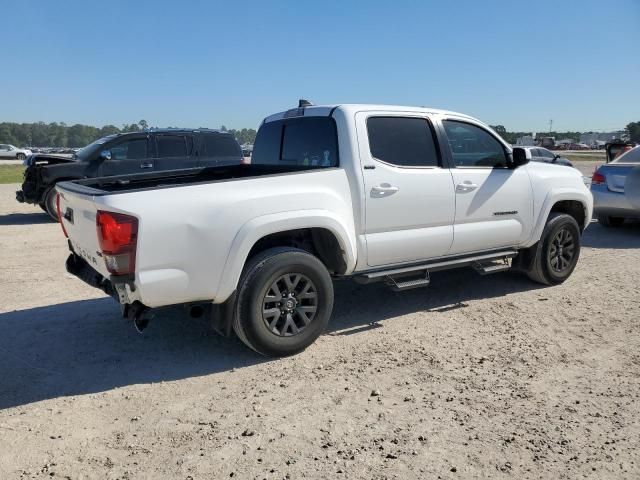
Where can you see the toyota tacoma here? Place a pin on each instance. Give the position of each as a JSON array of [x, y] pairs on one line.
[[369, 192]]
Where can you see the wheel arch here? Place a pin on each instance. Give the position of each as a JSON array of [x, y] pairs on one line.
[[575, 203], [321, 233]]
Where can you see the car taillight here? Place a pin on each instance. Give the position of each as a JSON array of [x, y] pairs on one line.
[[598, 179], [64, 230], [117, 235]]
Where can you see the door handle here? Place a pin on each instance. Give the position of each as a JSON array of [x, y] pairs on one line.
[[383, 190], [146, 165], [466, 186]]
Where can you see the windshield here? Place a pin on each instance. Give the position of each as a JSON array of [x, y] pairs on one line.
[[630, 156], [86, 152]]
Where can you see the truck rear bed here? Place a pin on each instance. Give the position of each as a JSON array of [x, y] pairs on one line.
[[174, 178], [195, 225]]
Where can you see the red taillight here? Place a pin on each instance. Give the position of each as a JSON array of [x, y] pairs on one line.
[[64, 230], [598, 179], [117, 235]]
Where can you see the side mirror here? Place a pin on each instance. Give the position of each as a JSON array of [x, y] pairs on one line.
[[105, 155], [519, 157]]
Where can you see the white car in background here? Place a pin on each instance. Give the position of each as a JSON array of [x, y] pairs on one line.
[[11, 152]]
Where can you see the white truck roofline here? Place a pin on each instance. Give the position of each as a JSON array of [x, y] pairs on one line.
[[326, 110]]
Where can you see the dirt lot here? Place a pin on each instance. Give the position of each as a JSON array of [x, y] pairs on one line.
[[473, 377]]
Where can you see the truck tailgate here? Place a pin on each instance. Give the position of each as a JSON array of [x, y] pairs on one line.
[[78, 212]]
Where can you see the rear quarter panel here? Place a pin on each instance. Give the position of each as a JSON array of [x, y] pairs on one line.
[[193, 240]]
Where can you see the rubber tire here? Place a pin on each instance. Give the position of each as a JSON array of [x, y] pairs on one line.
[[258, 275], [609, 222], [20, 156], [541, 271], [50, 203]]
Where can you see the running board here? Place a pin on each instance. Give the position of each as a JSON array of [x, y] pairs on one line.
[[486, 268], [398, 284], [484, 264]]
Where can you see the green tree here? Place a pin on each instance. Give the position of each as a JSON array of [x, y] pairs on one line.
[[633, 130]]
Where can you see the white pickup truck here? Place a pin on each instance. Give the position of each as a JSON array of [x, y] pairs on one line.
[[371, 192]]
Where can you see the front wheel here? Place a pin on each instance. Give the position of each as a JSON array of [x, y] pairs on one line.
[[20, 156], [285, 299], [557, 251]]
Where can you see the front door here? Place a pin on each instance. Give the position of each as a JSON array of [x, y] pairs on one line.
[[127, 156], [494, 203], [409, 200]]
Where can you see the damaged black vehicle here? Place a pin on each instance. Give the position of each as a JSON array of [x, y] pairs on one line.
[[126, 153]]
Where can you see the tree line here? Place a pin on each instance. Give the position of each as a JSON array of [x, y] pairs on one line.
[[632, 130], [56, 134], [60, 134]]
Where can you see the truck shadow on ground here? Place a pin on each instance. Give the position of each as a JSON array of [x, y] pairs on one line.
[[85, 346], [35, 218], [623, 237]]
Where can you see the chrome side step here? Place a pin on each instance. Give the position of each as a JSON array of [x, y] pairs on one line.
[[414, 276]]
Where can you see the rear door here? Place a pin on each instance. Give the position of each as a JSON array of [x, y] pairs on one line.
[[174, 151], [494, 203], [409, 194], [128, 155]]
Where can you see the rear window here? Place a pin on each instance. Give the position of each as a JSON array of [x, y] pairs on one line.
[[631, 156], [221, 145], [402, 141], [310, 141], [174, 145]]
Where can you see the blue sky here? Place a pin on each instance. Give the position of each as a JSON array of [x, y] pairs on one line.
[[191, 63]]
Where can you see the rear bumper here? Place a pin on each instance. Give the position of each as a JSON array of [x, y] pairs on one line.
[[121, 288], [612, 204]]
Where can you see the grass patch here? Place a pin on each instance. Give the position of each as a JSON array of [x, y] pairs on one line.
[[11, 173], [582, 157]]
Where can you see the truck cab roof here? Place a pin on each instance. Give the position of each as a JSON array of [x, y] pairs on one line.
[[352, 108]]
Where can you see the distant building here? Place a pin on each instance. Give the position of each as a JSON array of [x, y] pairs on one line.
[[526, 141], [593, 138]]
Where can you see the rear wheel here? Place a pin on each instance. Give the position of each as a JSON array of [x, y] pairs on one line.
[[49, 204], [285, 299], [611, 221], [557, 251]]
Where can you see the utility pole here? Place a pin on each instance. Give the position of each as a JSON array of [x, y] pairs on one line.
[[550, 125]]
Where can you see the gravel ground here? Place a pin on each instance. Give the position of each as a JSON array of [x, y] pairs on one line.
[[472, 377]]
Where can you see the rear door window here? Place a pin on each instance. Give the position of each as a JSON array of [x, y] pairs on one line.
[[402, 141], [310, 141], [174, 145], [472, 146]]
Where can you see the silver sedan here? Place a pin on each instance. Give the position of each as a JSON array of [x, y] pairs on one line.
[[616, 189]]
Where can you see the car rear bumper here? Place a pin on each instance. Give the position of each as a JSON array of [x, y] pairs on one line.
[[612, 204]]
